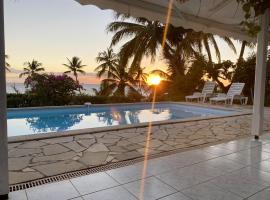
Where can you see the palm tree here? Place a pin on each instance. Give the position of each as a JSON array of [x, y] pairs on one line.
[[75, 67], [206, 40], [108, 60], [120, 80], [243, 47], [146, 37], [141, 78], [7, 65], [31, 68]]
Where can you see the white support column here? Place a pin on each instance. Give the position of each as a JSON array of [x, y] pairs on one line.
[[4, 189], [260, 76]]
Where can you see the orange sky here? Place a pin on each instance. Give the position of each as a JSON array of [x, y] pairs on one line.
[[51, 31]]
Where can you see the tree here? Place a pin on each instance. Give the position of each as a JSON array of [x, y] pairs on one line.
[[75, 67], [50, 89], [108, 60], [243, 47], [206, 40], [146, 37], [31, 68], [120, 80]]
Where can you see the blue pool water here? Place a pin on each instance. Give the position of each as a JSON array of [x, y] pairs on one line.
[[32, 121]]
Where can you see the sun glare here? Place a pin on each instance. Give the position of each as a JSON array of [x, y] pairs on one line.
[[154, 80]]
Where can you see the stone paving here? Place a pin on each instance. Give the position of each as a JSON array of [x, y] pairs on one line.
[[42, 158]]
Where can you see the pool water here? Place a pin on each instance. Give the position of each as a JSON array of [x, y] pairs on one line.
[[33, 121]]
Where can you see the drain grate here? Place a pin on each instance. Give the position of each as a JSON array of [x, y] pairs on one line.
[[69, 175]]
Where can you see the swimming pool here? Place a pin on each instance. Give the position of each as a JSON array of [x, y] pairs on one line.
[[44, 120]]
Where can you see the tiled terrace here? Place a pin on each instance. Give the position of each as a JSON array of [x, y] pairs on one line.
[[43, 158], [235, 170]]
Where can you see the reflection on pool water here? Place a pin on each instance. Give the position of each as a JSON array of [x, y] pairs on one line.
[[31, 121]]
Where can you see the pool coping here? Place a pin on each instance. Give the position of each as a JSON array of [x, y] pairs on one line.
[[39, 136]]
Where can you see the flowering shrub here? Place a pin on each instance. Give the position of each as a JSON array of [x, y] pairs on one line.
[[50, 89]]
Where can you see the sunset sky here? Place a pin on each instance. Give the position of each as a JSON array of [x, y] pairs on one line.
[[52, 30]]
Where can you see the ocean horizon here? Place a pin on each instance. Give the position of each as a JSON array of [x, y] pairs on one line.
[[88, 88]]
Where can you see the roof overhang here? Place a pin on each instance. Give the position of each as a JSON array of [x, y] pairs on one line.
[[221, 17]]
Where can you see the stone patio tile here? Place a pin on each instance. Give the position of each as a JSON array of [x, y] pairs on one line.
[[20, 177], [108, 140], [84, 136], [23, 152], [28, 169], [13, 145], [97, 148], [59, 167], [54, 149], [94, 158], [153, 143], [56, 157], [74, 146], [32, 145], [117, 149], [132, 147], [86, 142], [58, 140], [15, 164], [138, 139], [149, 151], [165, 147], [123, 143], [127, 155], [112, 135]]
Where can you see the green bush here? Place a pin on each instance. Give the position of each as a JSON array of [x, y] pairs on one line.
[[27, 100]]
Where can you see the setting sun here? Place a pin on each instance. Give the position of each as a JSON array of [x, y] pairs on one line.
[[154, 79]]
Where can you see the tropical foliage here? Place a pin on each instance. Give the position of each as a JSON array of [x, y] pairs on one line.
[[75, 66], [107, 60], [51, 89], [119, 79], [31, 68]]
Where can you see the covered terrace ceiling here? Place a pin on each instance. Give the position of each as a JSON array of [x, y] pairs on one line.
[[221, 17]]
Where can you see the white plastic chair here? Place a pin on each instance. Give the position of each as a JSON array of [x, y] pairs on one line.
[[235, 90], [207, 91]]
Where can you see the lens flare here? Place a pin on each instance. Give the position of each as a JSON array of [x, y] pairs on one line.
[[154, 80], [147, 149], [168, 20]]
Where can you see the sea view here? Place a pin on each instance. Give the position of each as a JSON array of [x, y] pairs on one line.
[[88, 88]]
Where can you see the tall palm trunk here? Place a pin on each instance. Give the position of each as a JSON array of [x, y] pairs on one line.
[[208, 51], [243, 46], [77, 81], [121, 89]]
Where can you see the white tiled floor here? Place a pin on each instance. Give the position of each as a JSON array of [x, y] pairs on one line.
[[231, 171]]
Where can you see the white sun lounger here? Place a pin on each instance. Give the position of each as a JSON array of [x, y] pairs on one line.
[[234, 92], [207, 91]]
